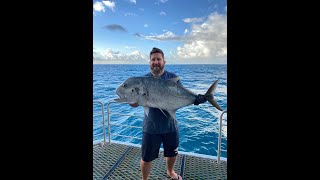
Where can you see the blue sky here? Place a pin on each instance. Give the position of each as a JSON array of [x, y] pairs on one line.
[[188, 31]]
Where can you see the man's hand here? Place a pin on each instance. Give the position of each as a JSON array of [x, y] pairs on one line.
[[200, 99], [134, 105]]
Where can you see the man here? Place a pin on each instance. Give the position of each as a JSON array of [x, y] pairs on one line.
[[158, 128]]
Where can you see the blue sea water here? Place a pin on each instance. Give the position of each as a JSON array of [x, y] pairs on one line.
[[197, 124]]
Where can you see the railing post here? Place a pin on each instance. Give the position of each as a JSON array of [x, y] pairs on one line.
[[104, 126], [220, 132], [103, 121], [108, 110]]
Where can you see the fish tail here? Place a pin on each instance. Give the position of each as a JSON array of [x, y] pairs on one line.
[[210, 97]]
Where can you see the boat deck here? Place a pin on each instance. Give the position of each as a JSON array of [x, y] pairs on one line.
[[120, 161]]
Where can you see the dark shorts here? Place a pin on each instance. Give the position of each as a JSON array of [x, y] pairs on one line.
[[151, 144]]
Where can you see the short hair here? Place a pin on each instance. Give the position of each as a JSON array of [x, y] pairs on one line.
[[156, 50]]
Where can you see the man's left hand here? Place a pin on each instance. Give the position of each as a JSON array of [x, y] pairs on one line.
[[200, 99]]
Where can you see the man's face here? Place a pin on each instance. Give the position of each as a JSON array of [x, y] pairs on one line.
[[157, 63]]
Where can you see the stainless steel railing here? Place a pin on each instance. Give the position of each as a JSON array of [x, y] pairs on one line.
[[103, 121], [109, 124], [220, 123], [220, 134]]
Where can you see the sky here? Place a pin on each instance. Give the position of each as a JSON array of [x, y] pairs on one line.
[[188, 31]]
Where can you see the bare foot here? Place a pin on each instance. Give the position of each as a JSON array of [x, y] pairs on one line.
[[174, 176]]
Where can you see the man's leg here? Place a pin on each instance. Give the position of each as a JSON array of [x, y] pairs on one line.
[[145, 169], [149, 151], [170, 145], [170, 163]]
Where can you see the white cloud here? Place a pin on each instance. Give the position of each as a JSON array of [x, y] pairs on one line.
[[108, 56], [193, 50], [207, 40], [98, 6], [129, 47], [130, 14], [109, 4], [145, 25], [222, 52], [133, 1], [204, 43], [168, 35], [162, 13], [192, 20], [163, 1], [160, 1]]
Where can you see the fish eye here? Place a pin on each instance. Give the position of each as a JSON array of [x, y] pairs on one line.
[[124, 85]]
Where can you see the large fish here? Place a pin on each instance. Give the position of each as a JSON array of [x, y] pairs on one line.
[[158, 93]]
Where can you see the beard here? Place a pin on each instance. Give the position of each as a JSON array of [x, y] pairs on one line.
[[156, 70]]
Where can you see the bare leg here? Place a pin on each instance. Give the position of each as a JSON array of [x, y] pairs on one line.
[[145, 169], [170, 163]]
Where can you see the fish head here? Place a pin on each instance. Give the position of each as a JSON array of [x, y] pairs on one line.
[[129, 91]]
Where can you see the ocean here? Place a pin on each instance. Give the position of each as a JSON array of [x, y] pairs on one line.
[[198, 126]]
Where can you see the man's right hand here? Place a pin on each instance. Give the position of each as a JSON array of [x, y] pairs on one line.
[[134, 105]]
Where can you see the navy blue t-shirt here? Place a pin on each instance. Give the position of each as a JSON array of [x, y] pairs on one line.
[[156, 122]]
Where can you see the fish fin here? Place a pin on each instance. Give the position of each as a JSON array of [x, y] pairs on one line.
[[161, 110], [209, 95], [143, 99], [175, 79], [146, 110], [121, 100], [172, 113], [163, 113]]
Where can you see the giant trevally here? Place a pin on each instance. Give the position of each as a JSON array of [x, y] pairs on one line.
[[159, 93]]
